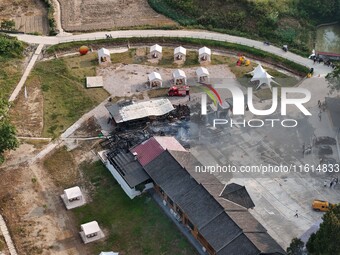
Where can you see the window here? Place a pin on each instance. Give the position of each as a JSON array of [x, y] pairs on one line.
[[91, 235], [170, 201], [179, 211], [190, 225]]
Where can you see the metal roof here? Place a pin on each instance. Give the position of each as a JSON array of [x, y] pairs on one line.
[[147, 151], [134, 111], [238, 194], [128, 167]]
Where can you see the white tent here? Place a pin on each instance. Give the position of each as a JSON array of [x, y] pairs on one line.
[[91, 232], [258, 71], [73, 197], [155, 50], [104, 56], [265, 78], [180, 53], [90, 228], [155, 79], [179, 77], [109, 253], [204, 54], [202, 74], [73, 192]]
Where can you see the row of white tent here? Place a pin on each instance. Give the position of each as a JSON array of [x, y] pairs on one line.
[[204, 52], [260, 75], [155, 50], [201, 72]]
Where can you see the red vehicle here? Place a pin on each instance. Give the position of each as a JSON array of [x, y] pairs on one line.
[[176, 91]]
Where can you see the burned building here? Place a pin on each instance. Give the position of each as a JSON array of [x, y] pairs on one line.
[[129, 113]]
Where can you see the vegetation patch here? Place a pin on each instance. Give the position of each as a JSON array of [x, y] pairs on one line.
[[62, 168], [135, 226], [65, 97], [11, 63]]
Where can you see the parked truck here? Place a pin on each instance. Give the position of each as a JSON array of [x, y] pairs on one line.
[[176, 91]]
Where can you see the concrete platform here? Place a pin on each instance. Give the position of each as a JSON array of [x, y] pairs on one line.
[[94, 82]]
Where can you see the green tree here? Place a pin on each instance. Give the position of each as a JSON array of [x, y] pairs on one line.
[[8, 140], [320, 10], [8, 25], [333, 79], [326, 240], [295, 247], [10, 46]]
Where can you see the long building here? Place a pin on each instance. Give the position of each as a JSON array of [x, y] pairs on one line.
[[216, 215]]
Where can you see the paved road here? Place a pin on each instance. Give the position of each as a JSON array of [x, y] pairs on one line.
[[26, 73], [201, 34]]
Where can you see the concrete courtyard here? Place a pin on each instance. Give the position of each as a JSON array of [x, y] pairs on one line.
[[276, 196]]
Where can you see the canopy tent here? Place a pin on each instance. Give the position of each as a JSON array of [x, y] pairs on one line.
[[258, 71], [265, 78], [261, 75], [156, 48], [73, 192]]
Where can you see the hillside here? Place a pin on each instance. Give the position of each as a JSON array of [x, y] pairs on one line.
[[290, 22]]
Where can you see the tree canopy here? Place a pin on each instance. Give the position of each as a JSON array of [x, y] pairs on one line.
[[321, 10], [8, 140], [326, 240], [10, 46], [296, 247]]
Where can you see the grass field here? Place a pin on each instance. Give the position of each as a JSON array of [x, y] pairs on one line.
[[10, 74], [65, 97], [133, 227], [56, 165]]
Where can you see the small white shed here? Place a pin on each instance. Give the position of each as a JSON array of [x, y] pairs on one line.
[[104, 56], [156, 51], [202, 74], [91, 232], [180, 53], [204, 54], [73, 198], [179, 77], [155, 80]]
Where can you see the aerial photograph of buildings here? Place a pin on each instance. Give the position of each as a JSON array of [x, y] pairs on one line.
[[169, 127]]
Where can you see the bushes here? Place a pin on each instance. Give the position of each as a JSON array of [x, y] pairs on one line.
[[10, 46]]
